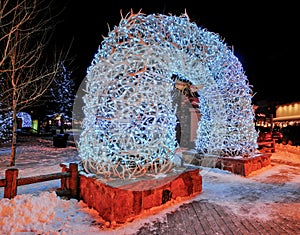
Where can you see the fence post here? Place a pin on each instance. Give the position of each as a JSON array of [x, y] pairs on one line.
[[273, 146], [11, 176], [63, 181], [74, 180]]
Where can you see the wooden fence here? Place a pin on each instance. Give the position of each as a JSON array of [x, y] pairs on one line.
[[69, 181], [267, 145]]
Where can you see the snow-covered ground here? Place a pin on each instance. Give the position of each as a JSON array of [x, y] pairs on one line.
[[38, 210]]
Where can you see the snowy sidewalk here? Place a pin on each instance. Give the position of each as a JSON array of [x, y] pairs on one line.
[[203, 217], [266, 202]]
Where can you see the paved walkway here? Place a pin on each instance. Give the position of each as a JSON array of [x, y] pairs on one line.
[[203, 217], [276, 194]]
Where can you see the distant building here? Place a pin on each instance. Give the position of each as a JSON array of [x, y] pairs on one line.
[[264, 113], [287, 114]]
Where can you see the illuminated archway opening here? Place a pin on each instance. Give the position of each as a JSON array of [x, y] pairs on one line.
[[129, 114], [25, 120]]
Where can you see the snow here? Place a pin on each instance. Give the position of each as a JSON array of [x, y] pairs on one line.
[[38, 210]]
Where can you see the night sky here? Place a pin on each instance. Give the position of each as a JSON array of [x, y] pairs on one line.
[[263, 36]]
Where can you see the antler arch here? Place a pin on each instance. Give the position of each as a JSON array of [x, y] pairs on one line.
[[129, 124]]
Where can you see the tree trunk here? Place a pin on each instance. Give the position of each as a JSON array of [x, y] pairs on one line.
[[62, 124], [14, 134]]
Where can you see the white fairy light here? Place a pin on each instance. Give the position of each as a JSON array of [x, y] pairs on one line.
[[26, 119], [129, 114]]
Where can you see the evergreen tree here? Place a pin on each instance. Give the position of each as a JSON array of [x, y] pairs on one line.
[[63, 92], [5, 124]]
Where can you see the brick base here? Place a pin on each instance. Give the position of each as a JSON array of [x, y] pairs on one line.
[[244, 166], [122, 200], [241, 166]]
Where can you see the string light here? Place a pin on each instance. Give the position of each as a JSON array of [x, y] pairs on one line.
[[26, 119], [129, 114]]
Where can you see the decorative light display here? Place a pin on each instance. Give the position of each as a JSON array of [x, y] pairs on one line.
[[26, 119], [129, 114]]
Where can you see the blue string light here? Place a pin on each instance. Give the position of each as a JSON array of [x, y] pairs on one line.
[[130, 116]]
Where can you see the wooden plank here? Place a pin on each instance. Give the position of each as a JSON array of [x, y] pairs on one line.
[[2, 182], [64, 181], [219, 215], [74, 180], [259, 225], [42, 178], [174, 221], [211, 219], [264, 226], [207, 223], [196, 220], [10, 190], [236, 222], [11, 182], [189, 218], [287, 226], [267, 144], [248, 225], [231, 221]]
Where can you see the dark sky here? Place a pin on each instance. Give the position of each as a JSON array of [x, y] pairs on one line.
[[264, 36]]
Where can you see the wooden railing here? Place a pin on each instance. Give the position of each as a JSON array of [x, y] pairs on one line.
[[264, 145], [69, 180]]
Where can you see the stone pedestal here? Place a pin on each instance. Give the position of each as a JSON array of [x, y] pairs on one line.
[[122, 200], [245, 166], [238, 165]]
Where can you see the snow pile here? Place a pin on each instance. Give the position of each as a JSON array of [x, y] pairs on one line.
[[45, 213], [49, 214], [25, 212]]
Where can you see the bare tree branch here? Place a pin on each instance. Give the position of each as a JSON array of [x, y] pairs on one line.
[[27, 68]]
